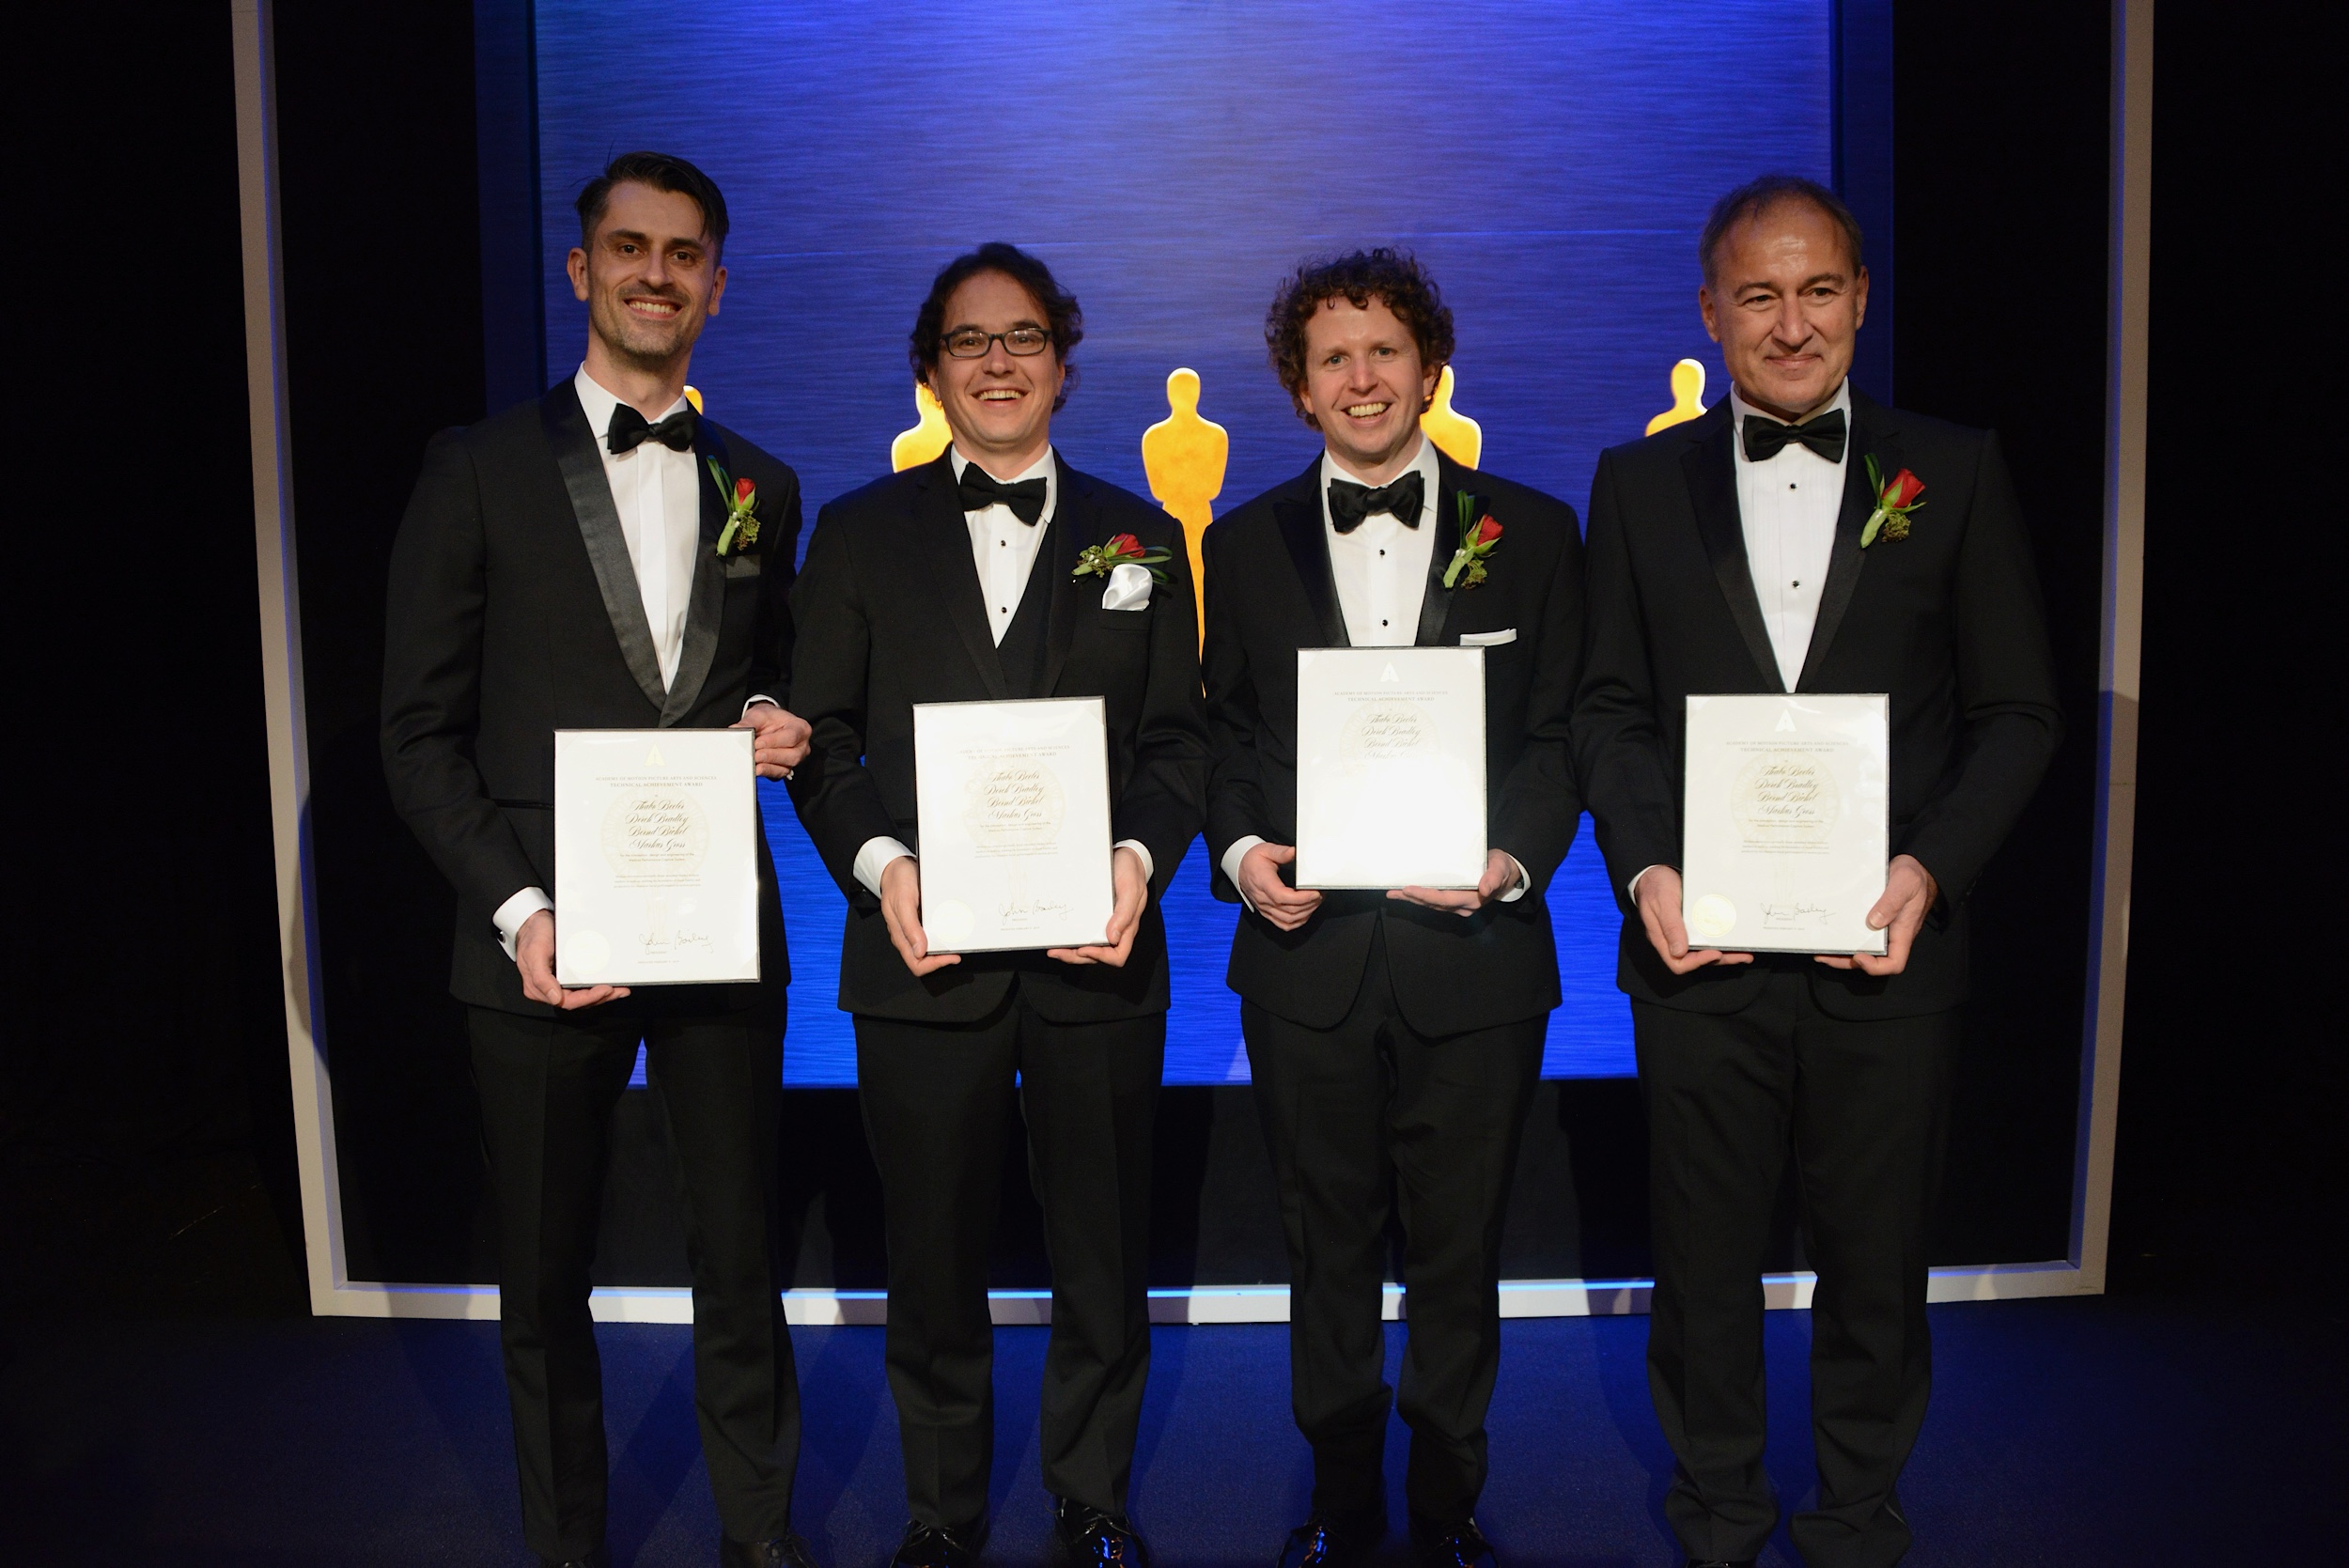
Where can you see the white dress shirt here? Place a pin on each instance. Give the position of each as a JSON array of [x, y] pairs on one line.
[[658, 495], [1786, 508], [1381, 568], [1003, 554]]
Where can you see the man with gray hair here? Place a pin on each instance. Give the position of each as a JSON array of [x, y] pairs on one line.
[[1801, 537]]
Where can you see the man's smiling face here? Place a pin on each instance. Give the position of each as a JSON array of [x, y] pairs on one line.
[[648, 275], [998, 404], [1784, 299], [1364, 385]]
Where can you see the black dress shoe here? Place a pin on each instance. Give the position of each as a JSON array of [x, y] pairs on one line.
[[787, 1550], [936, 1547], [1093, 1539], [1332, 1541], [1461, 1544]]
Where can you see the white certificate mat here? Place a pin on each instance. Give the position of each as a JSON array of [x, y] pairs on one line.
[[1014, 803], [1784, 836], [1389, 767], [656, 848]]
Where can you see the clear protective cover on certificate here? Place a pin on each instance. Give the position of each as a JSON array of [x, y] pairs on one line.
[[1389, 767], [1784, 823], [1014, 803], [656, 847]]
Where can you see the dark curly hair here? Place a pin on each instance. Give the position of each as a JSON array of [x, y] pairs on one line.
[[1062, 317], [1393, 276]]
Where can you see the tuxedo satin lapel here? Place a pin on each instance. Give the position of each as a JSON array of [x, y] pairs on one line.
[[1435, 602], [1075, 521], [1710, 465], [598, 518], [1308, 541], [1845, 558], [707, 608], [942, 546]]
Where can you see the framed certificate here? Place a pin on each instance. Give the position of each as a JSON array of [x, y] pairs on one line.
[[1014, 802], [656, 847], [1389, 767], [1784, 832]]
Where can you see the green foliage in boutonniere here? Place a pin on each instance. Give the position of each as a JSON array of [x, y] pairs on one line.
[[1896, 498], [1477, 541], [741, 529], [1123, 549]]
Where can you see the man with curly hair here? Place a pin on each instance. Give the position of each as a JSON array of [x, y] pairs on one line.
[[1393, 1037]]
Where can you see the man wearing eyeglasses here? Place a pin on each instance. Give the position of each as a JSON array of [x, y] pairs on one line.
[[957, 582]]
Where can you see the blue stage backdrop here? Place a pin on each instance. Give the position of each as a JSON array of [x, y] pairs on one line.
[[1552, 163]]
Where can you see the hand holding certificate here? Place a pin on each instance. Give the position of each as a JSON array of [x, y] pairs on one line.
[[656, 840], [1014, 804], [1784, 829]]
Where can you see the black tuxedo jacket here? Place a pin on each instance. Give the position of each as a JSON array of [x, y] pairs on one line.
[[1271, 593], [513, 613], [890, 614], [1946, 621]]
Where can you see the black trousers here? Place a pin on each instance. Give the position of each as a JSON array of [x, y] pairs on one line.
[[548, 1087], [1353, 1114], [1862, 1110], [938, 1107]]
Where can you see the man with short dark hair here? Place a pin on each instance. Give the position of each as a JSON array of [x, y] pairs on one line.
[[1393, 1038], [966, 580], [1770, 546], [567, 564]]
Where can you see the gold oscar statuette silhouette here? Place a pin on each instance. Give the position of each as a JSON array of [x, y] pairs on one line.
[[1687, 396], [694, 395], [1184, 456], [1455, 435], [927, 440]]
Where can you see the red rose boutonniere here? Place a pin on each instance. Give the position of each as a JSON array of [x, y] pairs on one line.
[[1896, 498], [741, 529], [1123, 549], [1477, 541]]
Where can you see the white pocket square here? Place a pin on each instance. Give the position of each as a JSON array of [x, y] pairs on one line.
[[1128, 589], [1487, 639]]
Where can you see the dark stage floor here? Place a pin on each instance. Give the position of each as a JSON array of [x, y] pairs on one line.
[[2105, 1430]]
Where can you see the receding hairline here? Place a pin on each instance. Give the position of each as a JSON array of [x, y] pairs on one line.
[[1763, 210]]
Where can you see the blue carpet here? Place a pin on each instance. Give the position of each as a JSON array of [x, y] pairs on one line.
[[2092, 1431]]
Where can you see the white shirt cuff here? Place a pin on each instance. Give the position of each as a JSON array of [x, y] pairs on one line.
[[874, 859], [1523, 884], [1632, 887], [515, 913], [1232, 857], [1142, 853], [756, 700]]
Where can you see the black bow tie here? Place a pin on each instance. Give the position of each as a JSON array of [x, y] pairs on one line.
[[631, 430], [1350, 502], [1767, 438], [981, 489]]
